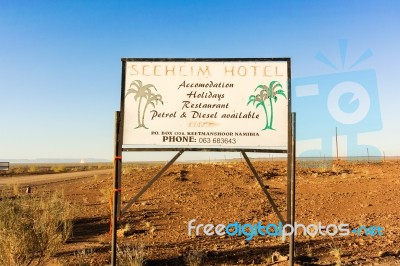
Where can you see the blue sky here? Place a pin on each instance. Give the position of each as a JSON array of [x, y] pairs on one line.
[[60, 67]]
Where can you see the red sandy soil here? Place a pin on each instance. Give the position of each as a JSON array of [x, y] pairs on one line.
[[353, 193]]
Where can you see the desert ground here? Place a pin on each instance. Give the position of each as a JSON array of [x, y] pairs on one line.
[[354, 193]]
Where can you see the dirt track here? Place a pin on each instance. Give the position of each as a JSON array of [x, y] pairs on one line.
[[50, 178]]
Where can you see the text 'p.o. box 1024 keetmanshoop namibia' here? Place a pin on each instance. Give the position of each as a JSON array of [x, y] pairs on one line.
[[214, 103]]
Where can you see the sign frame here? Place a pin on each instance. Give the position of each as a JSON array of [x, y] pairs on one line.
[[203, 147], [119, 148]]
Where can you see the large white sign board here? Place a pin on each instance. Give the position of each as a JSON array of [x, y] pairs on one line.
[[218, 103]]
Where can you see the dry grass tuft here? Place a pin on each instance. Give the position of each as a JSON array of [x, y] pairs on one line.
[[194, 258], [130, 256], [337, 254], [33, 228], [83, 257], [60, 168]]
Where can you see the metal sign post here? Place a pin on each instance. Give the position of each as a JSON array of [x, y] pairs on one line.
[[291, 188], [202, 104], [116, 192]]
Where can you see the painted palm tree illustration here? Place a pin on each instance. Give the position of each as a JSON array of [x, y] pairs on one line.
[[143, 92], [265, 97]]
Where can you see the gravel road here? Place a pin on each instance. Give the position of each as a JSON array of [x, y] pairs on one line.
[[51, 178]]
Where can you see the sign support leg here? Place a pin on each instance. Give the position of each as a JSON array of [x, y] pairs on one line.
[[154, 179], [116, 187], [291, 188], [264, 189]]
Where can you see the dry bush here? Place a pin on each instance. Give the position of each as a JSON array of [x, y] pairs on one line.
[[129, 169], [16, 189], [33, 228], [33, 169], [83, 257], [16, 170], [194, 258], [104, 166], [58, 168], [130, 256], [337, 254]]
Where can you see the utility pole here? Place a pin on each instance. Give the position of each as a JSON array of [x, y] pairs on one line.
[[337, 149]]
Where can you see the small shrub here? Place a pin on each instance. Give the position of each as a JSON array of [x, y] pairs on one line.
[[105, 196], [194, 258], [32, 229], [33, 169], [18, 170], [16, 189], [83, 257], [58, 168], [130, 256], [337, 253]]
